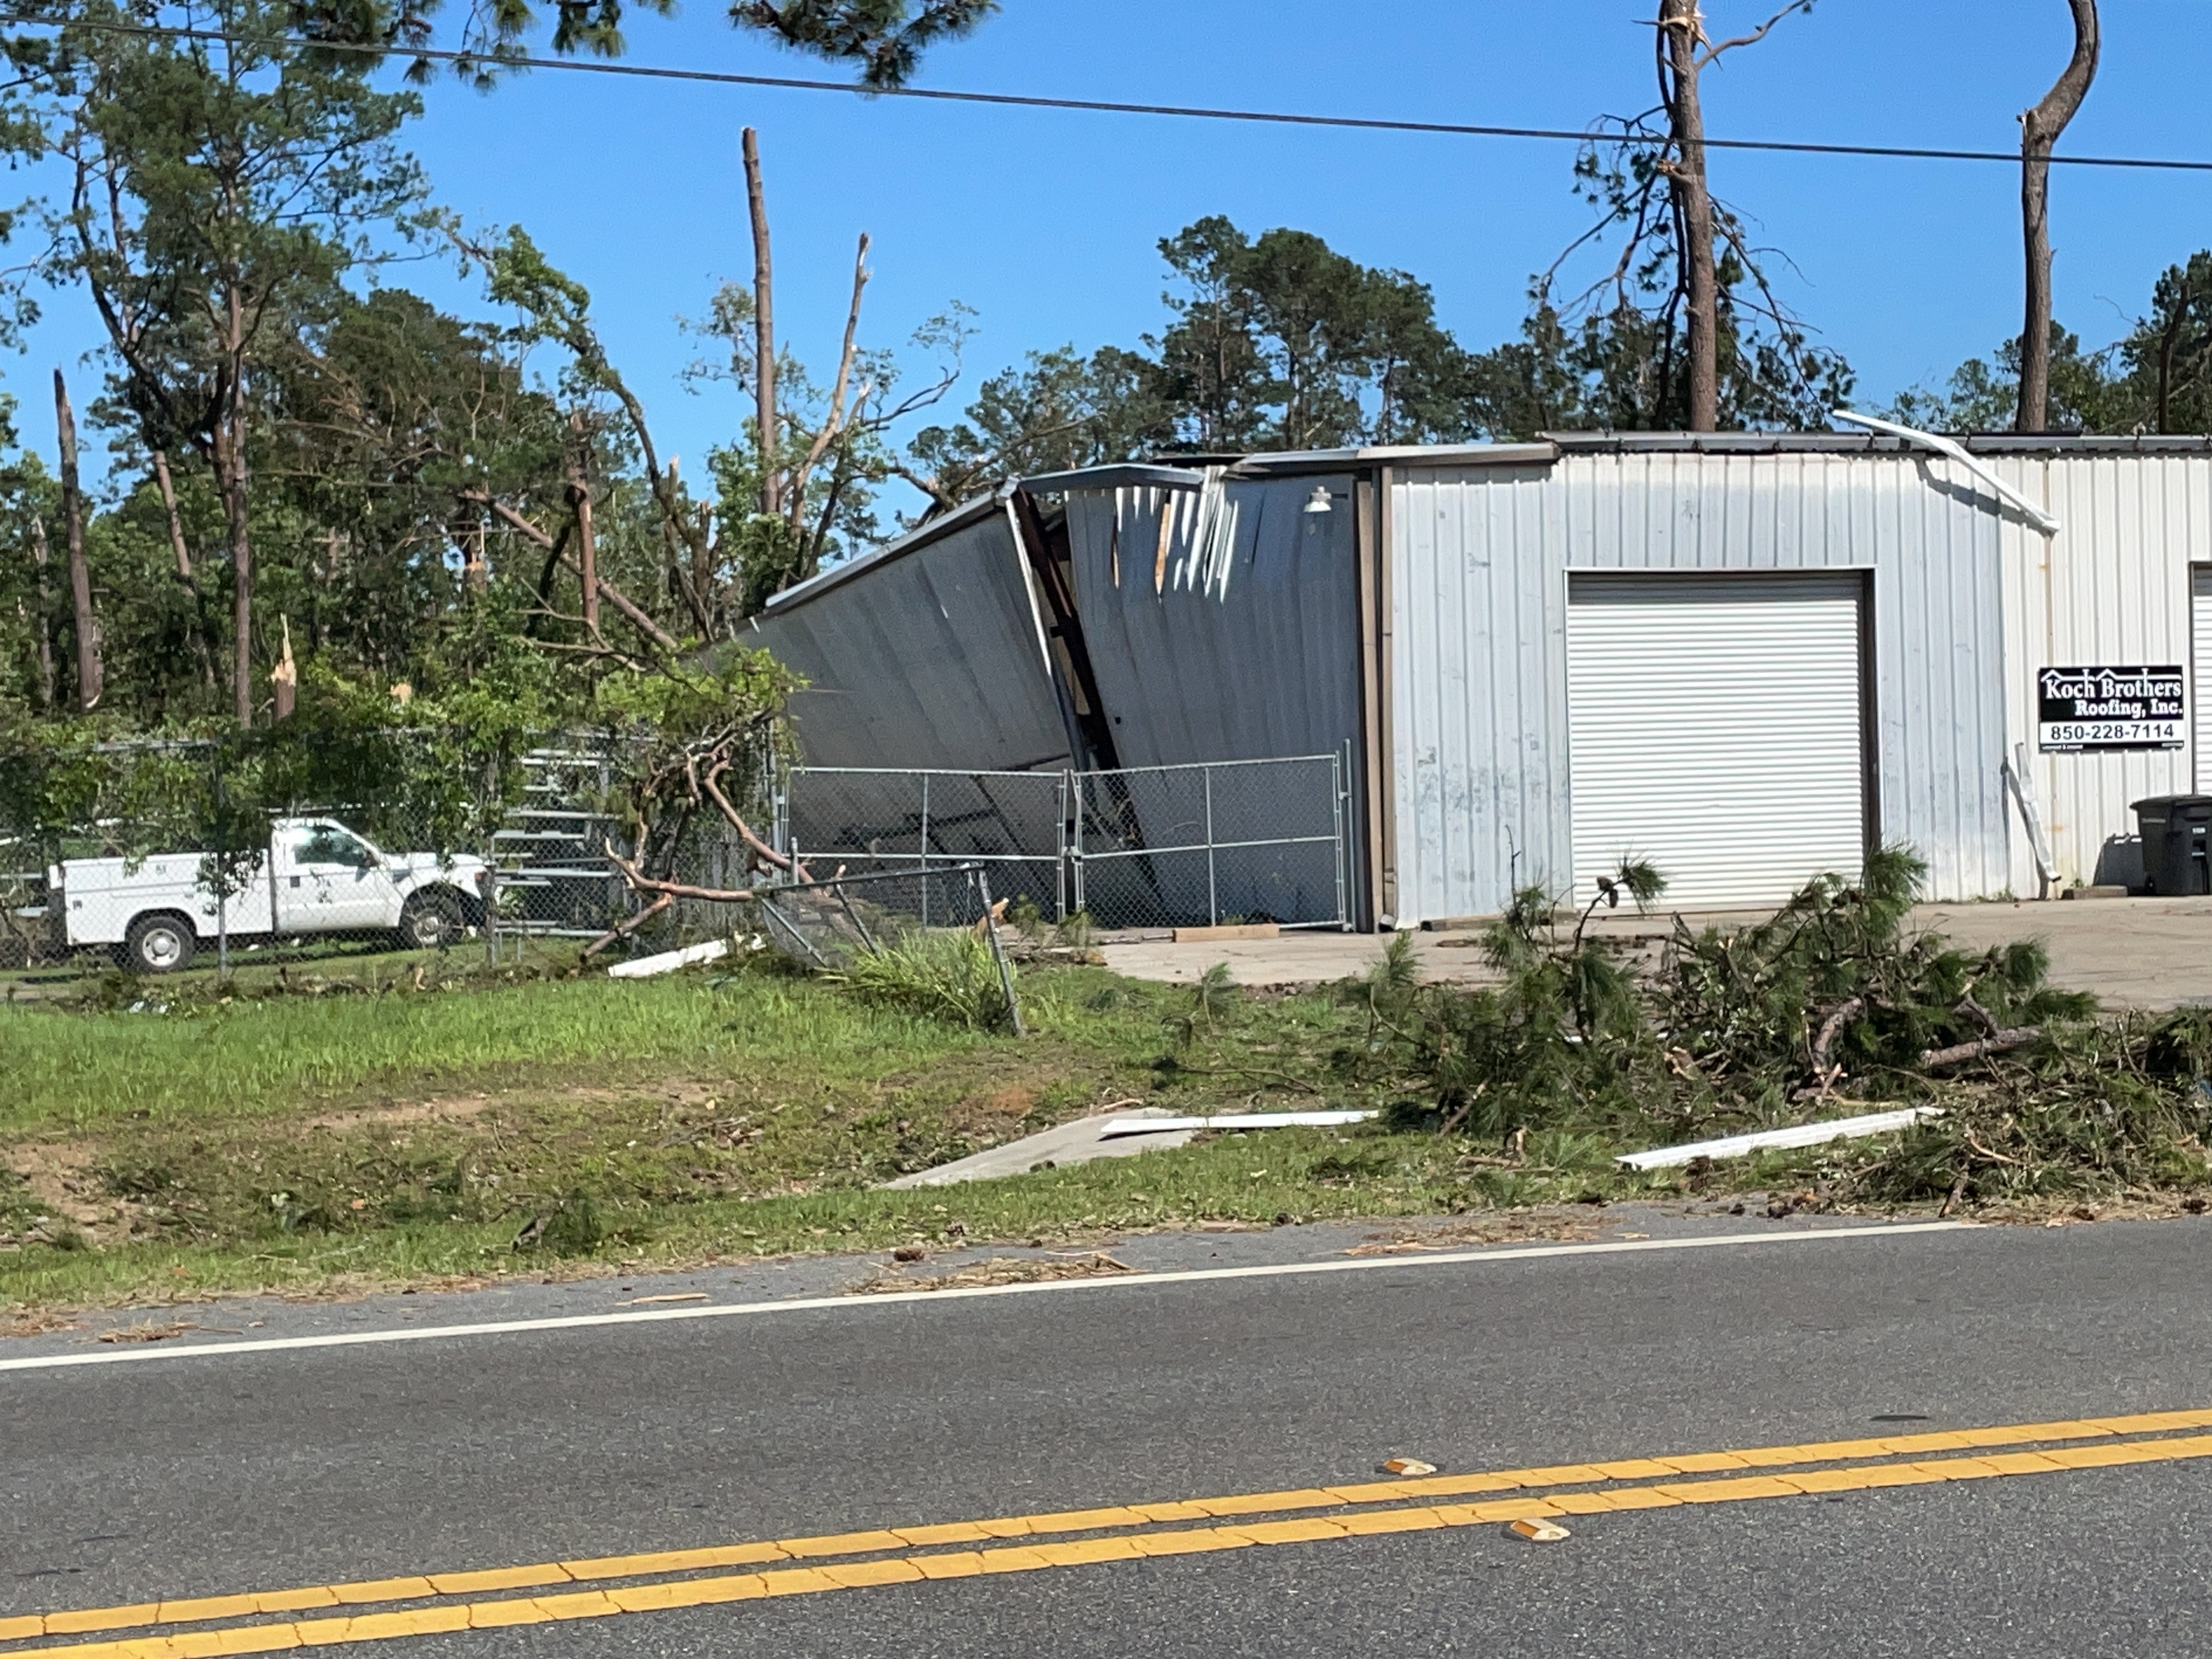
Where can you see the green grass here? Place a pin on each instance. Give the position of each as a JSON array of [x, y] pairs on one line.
[[383, 1135], [1288, 1175], [210, 1059], [357, 1138]]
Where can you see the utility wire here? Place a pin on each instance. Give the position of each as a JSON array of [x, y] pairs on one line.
[[1195, 112]]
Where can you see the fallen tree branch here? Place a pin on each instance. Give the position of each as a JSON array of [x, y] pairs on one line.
[[623, 929], [2016, 1037], [711, 784], [1825, 1074], [640, 881], [1830, 1028]]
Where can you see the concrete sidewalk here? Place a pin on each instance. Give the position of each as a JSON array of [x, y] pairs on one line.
[[2133, 952]]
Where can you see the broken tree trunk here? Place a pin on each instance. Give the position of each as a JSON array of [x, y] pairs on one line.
[[45, 614], [771, 491], [580, 502], [88, 668], [2040, 129], [284, 678], [1680, 34]]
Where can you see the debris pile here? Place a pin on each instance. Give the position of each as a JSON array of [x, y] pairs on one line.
[[1830, 1009]]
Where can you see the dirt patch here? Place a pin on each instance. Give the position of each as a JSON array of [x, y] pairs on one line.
[[998, 1115], [999, 1270], [455, 1108], [59, 1176]]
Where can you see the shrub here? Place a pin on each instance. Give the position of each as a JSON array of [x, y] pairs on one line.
[[951, 976]]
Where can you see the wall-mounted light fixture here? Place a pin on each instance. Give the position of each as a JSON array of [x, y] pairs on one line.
[[1318, 501]]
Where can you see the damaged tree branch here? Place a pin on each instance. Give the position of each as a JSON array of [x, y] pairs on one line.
[[2017, 1036]]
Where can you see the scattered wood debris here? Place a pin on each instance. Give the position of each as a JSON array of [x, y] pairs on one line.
[[999, 1270]]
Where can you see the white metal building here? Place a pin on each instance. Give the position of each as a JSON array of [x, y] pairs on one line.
[[1745, 657]]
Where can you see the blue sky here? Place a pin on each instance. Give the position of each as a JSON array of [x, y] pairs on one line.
[[1046, 222]]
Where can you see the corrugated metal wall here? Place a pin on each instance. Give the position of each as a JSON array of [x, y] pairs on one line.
[[2111, 587], [932, 657], [1265, 665], [1259, 662], [1479, 592]]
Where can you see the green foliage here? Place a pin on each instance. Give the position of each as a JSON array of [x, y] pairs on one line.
[[883, 39], [1211, 999], [951, 976], [1744, 1010], [2156, 377], [1281, 342], [1057, 411]]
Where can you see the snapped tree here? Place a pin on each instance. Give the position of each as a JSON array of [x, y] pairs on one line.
[[2039, 130], [1686, 328]]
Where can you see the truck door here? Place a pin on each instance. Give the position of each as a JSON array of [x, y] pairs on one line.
[[329, 880]]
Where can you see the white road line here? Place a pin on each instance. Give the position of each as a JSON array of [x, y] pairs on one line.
[[850, 1302]]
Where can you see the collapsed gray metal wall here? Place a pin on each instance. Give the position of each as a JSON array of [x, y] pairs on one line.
[[928, 653], [1260, 662], [1235, 638], [1478, 589]]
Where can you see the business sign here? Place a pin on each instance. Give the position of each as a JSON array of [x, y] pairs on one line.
[[2111, 708]]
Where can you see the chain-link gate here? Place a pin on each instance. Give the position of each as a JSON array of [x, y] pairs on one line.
[[1010, 823], [1139, 848]]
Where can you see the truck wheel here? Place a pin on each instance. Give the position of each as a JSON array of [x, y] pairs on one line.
[[159, 945], [431, 920]]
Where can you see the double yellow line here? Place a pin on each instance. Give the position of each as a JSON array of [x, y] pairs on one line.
[[608, 1586]]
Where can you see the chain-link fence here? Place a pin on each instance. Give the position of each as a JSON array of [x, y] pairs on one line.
[[165, 858], [1142, 847], [1206, 845], [876, 821], [160, 858]]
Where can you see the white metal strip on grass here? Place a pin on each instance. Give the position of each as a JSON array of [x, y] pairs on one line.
[[968, 1293], [1802, 1135], [1714, 729], [1153, 1125], [669, 961]]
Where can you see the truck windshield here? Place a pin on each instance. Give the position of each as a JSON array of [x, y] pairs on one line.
[[326, 844]]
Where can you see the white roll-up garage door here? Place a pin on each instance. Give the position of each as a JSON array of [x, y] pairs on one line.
[[1716, 731], [2200, 638]]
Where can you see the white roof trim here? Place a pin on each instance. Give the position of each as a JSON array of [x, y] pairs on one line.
[[1953, 450]]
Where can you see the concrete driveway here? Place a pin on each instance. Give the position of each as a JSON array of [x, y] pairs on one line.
[[2133, 952]]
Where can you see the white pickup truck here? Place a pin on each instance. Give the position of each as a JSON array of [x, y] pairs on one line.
[[317, 877]]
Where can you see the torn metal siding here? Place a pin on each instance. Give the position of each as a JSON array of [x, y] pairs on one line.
[[1234, 638], [1250, 653], [1479, 597], [2111, 586], [932, 656]]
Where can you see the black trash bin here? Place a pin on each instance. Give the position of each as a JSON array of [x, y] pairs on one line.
[[2176, 830]]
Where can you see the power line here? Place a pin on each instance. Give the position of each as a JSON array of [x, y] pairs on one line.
[[1107, 106]]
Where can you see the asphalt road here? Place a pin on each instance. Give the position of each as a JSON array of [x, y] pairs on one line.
[[180, 1476]]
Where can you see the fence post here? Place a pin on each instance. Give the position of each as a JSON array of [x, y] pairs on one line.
[[1337, 776], [1212, 897], [1060, 870], [925, 850], [1076, 810], [221, 876], [998, 950]]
